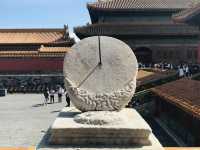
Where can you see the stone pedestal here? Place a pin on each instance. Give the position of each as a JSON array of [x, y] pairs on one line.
[[129, 130]]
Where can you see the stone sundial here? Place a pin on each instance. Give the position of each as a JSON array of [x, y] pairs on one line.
[[100, 74], [100, 77]]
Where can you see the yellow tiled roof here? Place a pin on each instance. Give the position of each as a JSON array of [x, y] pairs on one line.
[[31, 35], [183, 93]]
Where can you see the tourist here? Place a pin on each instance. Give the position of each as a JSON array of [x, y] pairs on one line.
[[162, 66], [171, 66], [186, 71], [67, 99], [52, 92], [168, 66], [190, 71], [46, 96], [60, 92], [181, 71], [139, 65]]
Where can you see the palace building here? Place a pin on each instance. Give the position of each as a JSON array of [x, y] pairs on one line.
[[33, 50], [147, 27]]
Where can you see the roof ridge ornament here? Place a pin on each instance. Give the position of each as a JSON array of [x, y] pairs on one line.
[[41, 47], [66, 30]]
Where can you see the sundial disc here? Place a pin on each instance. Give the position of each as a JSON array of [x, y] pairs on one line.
[[92, 86]]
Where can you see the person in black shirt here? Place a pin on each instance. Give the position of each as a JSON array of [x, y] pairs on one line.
[[46, 96], [67, 99]]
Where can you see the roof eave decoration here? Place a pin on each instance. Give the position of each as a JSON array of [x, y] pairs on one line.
[[129, 5], [190, 15], [44, 49], [93, 8]]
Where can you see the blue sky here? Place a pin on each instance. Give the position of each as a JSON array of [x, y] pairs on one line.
[[43, 13]]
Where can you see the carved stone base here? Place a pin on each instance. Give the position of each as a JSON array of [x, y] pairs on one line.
[[131, 130]]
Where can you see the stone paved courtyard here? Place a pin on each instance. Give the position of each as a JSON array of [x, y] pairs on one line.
[[23, 120]]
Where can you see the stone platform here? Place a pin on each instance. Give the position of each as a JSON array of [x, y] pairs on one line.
[[131, 132]]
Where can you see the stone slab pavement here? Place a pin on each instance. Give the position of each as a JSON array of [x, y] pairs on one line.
[[24, 120]]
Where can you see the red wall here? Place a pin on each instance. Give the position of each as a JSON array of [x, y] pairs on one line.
[[32, 64]]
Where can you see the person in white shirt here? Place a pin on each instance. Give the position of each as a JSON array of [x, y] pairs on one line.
[[187, 71], [181, 72], [60, 93], [51, 93]]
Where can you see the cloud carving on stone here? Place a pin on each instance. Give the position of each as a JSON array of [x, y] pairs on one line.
[[86, 101]]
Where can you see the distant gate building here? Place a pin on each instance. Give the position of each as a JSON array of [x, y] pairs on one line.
[[147, 27], [33, 50]]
